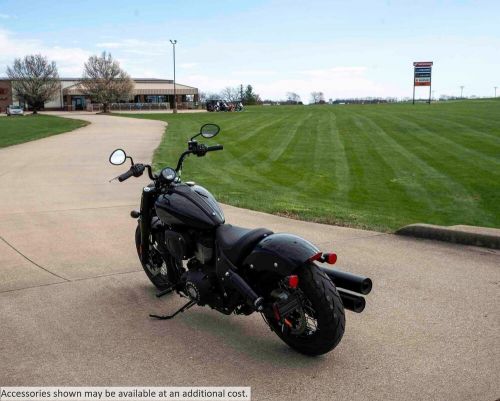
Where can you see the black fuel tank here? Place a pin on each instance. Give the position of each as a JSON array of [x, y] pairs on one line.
[[192, 206]]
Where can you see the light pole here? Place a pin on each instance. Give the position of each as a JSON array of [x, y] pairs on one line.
[[495, 90], [462, 92], [175, 89]]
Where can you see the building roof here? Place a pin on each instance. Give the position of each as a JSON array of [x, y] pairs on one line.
[[145, 87]]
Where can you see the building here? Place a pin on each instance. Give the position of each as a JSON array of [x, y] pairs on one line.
[[146, 92]]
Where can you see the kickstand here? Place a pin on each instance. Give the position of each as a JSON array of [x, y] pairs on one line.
[[182, 309], [166, 291]]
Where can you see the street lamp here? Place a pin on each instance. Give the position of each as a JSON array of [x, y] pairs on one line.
[[462, 92], [175, 89], [495, 90]]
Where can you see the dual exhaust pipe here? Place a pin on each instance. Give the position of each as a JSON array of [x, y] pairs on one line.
[[353, 283]]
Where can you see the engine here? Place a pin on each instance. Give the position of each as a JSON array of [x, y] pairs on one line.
[[200, 283], [183, 244]]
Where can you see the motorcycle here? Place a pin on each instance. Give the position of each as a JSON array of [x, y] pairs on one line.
[[185, 245]]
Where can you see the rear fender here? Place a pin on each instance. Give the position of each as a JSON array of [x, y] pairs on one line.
[[280, 253]]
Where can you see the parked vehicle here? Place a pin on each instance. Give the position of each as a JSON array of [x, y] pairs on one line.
[[13, 110], [221, 105], [185, 245]]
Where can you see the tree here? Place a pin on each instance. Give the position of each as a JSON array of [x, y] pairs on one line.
[[230, 95], [35, 80], [292, 98], [317, 97], [249, 96], [104, 81]]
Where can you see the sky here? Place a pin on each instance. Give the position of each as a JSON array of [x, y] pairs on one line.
[[342, 48]]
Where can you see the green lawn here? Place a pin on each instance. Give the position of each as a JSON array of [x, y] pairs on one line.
[[374, 166], [19, 129]]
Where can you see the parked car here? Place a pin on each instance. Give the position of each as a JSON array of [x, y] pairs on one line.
[[14, 110]]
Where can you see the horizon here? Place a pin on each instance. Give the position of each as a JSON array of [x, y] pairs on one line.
[[275, 46]]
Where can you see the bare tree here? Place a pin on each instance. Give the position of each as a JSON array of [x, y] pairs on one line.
[[230, 95], [35, 80], [292, 98], [104, 81], [317, 97]]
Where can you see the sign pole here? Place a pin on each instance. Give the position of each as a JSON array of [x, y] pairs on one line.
[[413, 91], [430, 91]]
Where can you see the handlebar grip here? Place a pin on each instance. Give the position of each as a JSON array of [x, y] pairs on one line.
[[125, 175], [215, 147]]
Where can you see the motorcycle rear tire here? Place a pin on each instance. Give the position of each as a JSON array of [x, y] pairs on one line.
[[330, 317]]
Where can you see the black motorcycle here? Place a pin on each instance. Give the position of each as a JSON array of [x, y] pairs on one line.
[[185, 246]]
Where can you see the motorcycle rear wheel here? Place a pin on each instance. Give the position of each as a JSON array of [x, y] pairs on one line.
[[160, 268], [324, 311]]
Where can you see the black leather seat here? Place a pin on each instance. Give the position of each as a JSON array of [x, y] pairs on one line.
[[237, 242]]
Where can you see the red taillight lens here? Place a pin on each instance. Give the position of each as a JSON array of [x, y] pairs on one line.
[[330, 258], [293, 281]]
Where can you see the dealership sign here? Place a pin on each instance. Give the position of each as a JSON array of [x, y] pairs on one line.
[[422, 71]]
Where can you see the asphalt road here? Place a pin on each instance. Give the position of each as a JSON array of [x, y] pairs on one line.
[[74, 302]]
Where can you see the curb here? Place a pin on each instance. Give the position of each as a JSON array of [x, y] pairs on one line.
[[466, 235]]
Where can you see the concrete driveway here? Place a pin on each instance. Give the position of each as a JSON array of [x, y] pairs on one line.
[[74, 301]]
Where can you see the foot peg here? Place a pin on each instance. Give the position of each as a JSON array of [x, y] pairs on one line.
[[182, 309]]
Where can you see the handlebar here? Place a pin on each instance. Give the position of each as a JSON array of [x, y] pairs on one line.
[[215, 147], [136, 170], [126, 175], [199, 150]]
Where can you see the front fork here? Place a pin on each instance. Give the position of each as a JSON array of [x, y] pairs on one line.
[[147, 204]]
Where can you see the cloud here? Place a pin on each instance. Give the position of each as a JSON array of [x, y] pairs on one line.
[[69, 60], [333, 82], [200, 68]]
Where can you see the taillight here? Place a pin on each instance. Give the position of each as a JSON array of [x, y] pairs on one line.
[[293, 281], [330, 258]]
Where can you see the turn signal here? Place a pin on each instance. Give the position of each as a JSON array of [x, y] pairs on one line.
[[330, 258], [293, 281]]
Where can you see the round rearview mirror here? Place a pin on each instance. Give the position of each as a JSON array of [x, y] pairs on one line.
[[209, 130], [118, 157]]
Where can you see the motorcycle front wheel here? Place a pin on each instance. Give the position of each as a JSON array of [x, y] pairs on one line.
[[319, 324], [160, 270]]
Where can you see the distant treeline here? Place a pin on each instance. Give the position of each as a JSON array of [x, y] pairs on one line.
[[368, 100]]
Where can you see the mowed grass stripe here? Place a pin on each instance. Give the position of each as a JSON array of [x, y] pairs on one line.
[[397, 165], [373, 166], [433, 154]]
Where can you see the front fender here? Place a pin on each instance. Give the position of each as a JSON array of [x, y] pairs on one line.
[[280, 253]]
